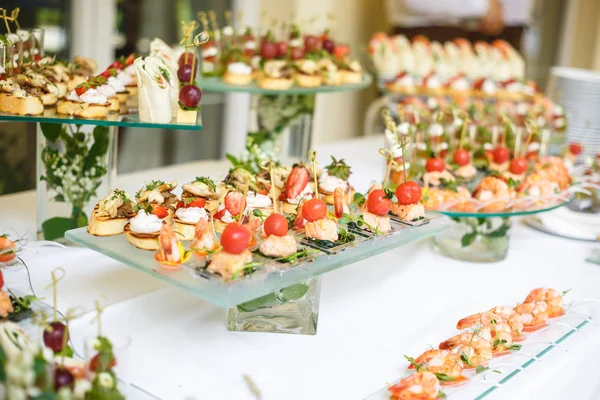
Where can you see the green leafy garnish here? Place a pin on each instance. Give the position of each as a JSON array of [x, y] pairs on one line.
[[443, 377], [359, 221], [338, 168], [120, 194], [414, 362], [565, 292], [248, 269], [358, 199], [345, 237], [149, 187], [207, 181], [451, 185], [480, 369], [292, 258]]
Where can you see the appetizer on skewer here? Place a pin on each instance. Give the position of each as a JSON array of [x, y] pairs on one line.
[[408, 206], [278, 244], [234, 259], [204, 238], [232, 209], [297, 188], [335, 177], [170, 253], [111, 214]]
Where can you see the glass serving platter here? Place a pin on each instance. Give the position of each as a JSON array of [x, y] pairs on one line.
[[505, 214], [504, 368], [127, 120], [267, 279], [215, 84]]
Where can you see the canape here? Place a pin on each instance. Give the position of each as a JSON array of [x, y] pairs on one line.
[[187, 215], [158, 193], [143, 230], [232, 261], [403, 84], [408, 206], [436, 173], [81, 68], [318, 226], [307, 73], [204, 188], [336, 176], [86, 101], [329, 72], [375, 210], [276, 75], [232, 209], [15, 100], [154, 99], [278, 243], [111, 214], [170, 253]]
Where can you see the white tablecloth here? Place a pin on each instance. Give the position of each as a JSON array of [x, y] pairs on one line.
[[371, 314]]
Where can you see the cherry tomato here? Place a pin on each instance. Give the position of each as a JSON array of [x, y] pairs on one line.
[[575, 148], [314, 209], [276, 224], [268, 50], [105, 74], [180, 204], [97, 366], [461, 157], [378, 203], [199, 202], [435, 165], [408, 193], [235, 238], [501, 155], [518, 166], [159, 211], [116, 65], [130, 59], [81, 89]]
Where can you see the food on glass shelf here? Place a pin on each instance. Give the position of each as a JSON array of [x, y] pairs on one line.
[[278, 243], [170, 76], [276, 75], [259, 203], [8, 251], [204, 188], [422, 385], [143, 230], [153, 93], [307, 73], [330, 72], [238, 70], [204, 238], [17, 100], [158, 193], [170, 253], [443, 363], [493, 192], [408, 207], [335, 177], [297, 188], [87, 100], [234, 259], [436, 173], [188, 214], [160, 49], [375, 210], [55, 71], [81, 68], [189, 104], [551, 297], [318, 226], [473, 347], [111, 214]]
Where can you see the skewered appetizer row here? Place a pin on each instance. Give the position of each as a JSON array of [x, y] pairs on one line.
[[277, 63], [461, 175], [455, 68], [484, 335], [282, 207]]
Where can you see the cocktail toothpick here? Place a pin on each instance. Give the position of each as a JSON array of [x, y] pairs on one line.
[[187, 30], [390, 161], [212, 15], [312, 156], [6, 18], [532, 130], [267, 165], [57, 275], [518, 141], [98, 317], [199, 39], [203, 20]]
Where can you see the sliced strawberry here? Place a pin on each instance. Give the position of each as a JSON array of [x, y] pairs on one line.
[[338, 202], [81, 89], [116, 65], [180, 204], [105, 74], [129, 60], [219, 214], [159, 211], [299, 221], [235, 203], [296, 181]]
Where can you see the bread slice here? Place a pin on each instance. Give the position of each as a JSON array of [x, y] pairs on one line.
[[105, 226], [115, 105], [328, 198], [288, 208], [219, 225], [350, 77], [308, 81], [81, 109], [144, 241], [275, 83], [238, 80], [122, 96], [184, 230], [29, 105], [62, 89], [407, 90], [75, 80]]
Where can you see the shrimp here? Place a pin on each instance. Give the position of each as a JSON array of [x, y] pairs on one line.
[[555, 170], [491, 188], [7, 249], [435, 178], [204, 238], [339, 203], [279, 246], [169, 249], [322, 229], [538, 186], [440, 362], [552, 298], [422, 385], [474, 348], [5, 304], [499, 313], [534, 314]]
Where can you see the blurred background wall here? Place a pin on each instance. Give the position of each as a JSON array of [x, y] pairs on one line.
[[563, 32]]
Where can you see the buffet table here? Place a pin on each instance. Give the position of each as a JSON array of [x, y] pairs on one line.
[[376, 310]]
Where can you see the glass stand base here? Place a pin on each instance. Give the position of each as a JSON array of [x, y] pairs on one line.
[[294, 309], [482, 240]]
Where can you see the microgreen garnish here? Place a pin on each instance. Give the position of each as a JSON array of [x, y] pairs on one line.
[[293, 258], [248, 269], [442, 395], [259, 214], [360, 221], [414, 362], [338, 168], [480, 369], [149, 187], [358, 199], [345, 237], [465, 358], [443, 377], [120, 194], [512, 183], [565, 292], [207, 181], [449, 184]]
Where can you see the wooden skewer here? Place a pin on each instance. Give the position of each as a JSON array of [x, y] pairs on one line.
[[312, 156]]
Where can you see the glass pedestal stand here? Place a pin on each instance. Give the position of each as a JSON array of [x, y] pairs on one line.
[[294, 309], [284, 117], [478, 236], [77, 164]]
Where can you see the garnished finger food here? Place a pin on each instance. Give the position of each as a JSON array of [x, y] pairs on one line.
[[170, 252], [234, 259], [143, 230], [111, 214], [278, 243]]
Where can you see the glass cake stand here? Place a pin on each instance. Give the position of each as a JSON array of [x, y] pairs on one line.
[[282, 298], [480, 236], [281, 115], [77, 161]]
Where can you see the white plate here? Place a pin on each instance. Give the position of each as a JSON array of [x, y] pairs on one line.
[[566, 223]]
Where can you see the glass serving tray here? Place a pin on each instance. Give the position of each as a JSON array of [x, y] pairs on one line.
[[113, 119], [266, 279], [215, 84], [503, 368], [504, 214]]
